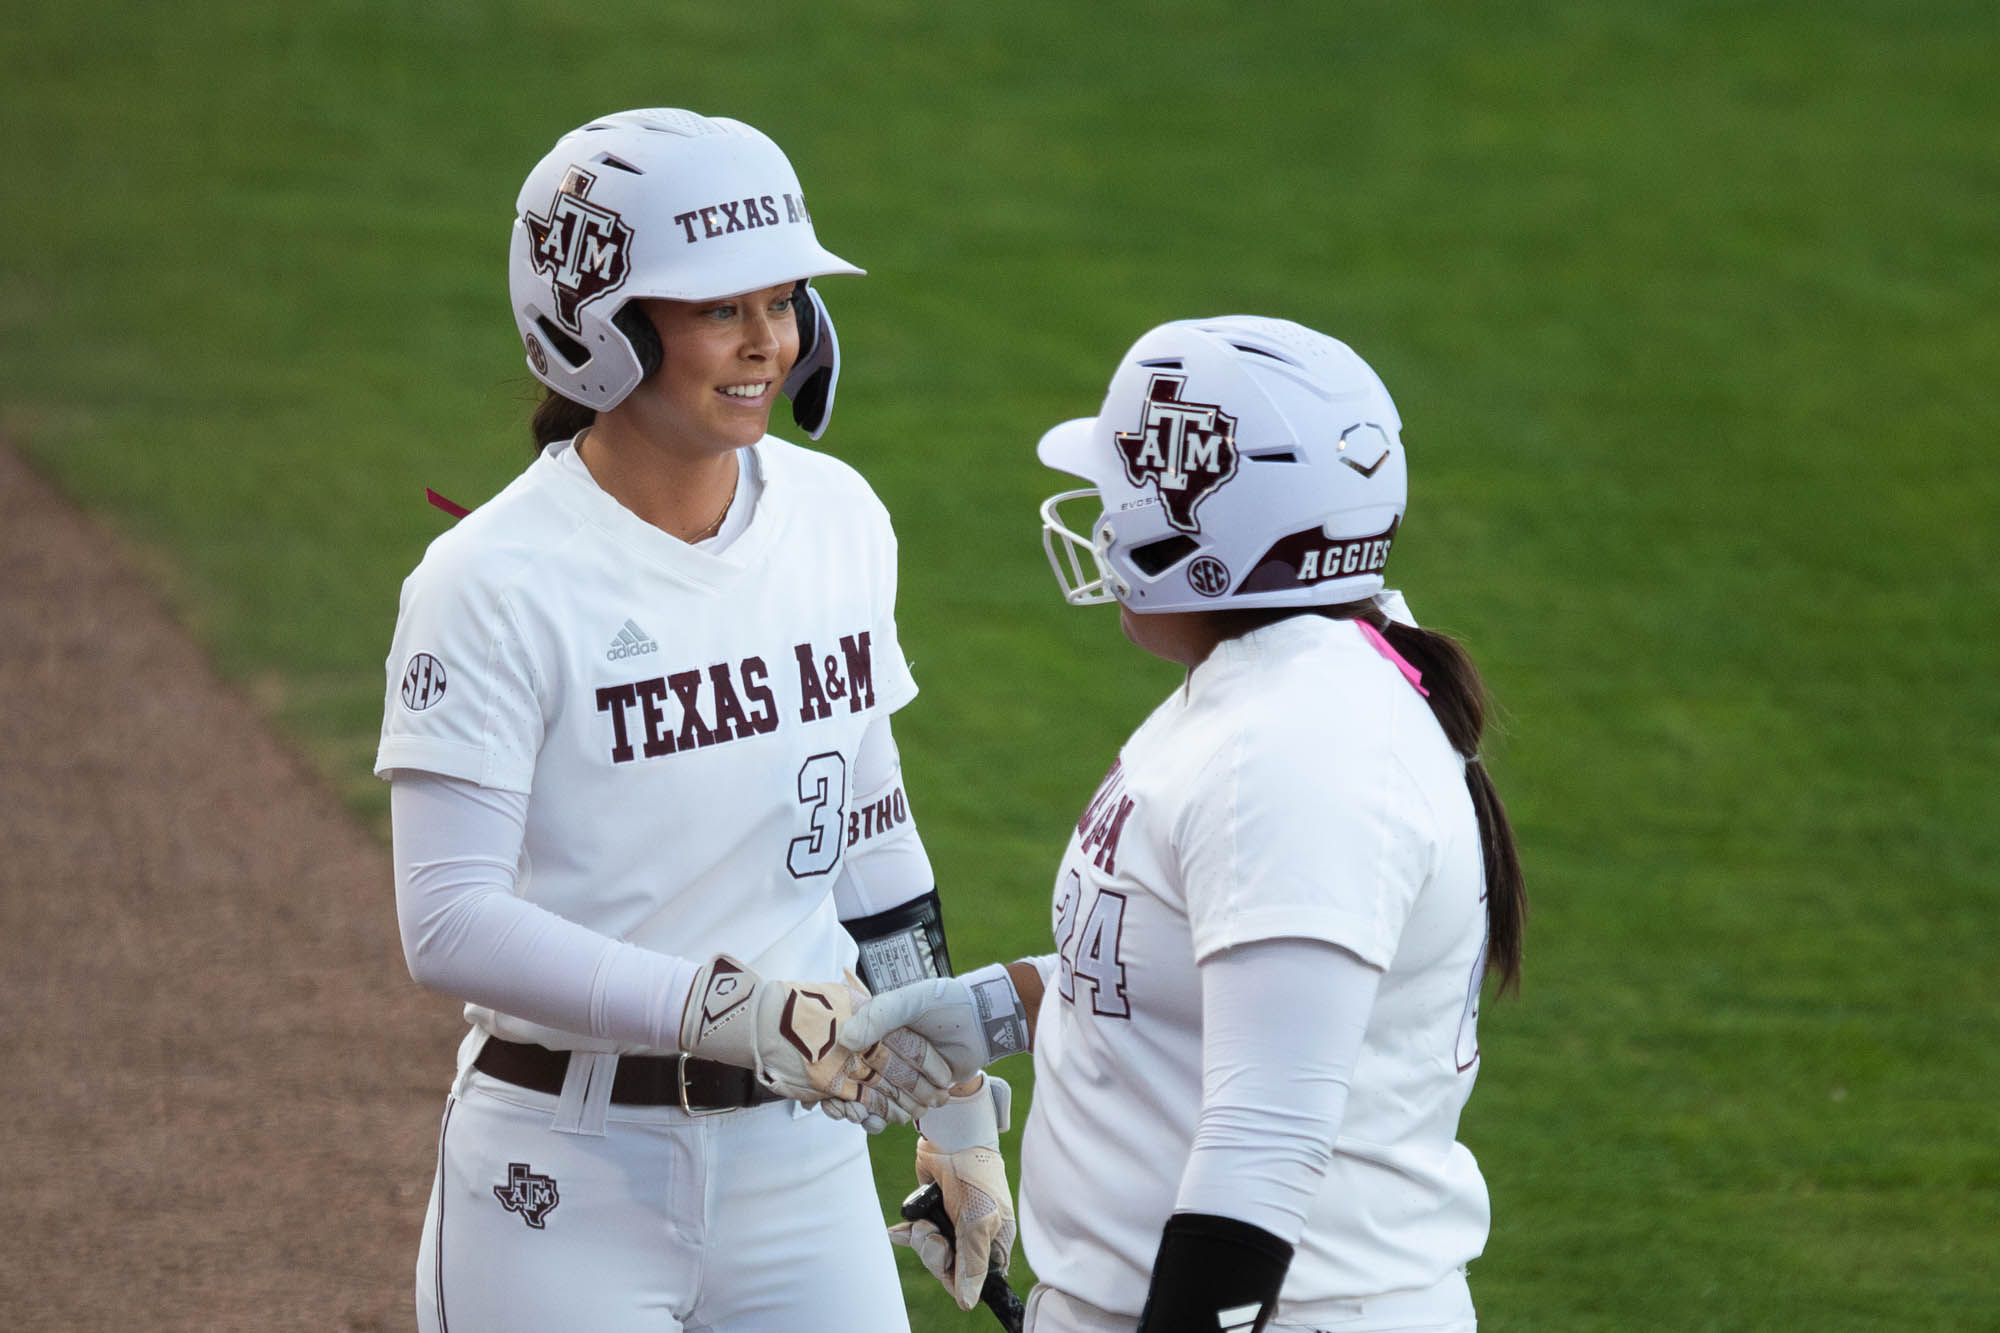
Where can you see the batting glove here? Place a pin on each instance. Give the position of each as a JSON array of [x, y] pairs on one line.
[[959, 1151], [787, 1032], [936, 1033], [874, 1110]]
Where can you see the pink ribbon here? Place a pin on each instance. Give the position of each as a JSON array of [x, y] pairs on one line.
[[1402, 664]]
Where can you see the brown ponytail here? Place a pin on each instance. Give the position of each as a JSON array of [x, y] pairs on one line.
[[1459, 701], [557, 418]]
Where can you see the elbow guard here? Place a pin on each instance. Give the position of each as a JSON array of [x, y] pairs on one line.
[[901, 945]]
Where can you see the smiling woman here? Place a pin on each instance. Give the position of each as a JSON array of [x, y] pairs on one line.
[[631, 702], [667, 451]]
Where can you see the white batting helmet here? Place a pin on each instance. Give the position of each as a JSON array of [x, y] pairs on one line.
[[1236, 462], [660, 203]]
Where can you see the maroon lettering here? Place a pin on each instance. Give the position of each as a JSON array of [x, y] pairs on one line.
[[1103, 794], [811, 691], [708, 221], [615, 699], [687, 224], [770, 211], [735, 223], [860, 671], [730, 723], [694, 732], [653, 693], [793, 207], [763, 704], [1107, 838]]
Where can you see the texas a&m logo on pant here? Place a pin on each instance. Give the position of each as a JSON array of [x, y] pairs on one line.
[[585, 249], [533, 1197], [1186, 449]]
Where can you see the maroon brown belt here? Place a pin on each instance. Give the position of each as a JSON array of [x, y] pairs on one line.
[[692, 1084]]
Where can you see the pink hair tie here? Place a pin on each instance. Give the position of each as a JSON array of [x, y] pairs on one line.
[[1388, 650]]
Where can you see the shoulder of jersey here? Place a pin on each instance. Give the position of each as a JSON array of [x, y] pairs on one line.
[[1330, 691], [503, 539], [821, 476]]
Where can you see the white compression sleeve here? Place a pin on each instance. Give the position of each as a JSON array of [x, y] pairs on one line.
[[1282, 1023], [884, 864], [457, 849]]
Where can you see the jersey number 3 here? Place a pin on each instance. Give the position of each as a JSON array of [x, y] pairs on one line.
[[1092, 951], [823, 793]]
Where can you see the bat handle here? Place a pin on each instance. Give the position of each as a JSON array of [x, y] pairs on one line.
[[927, 1205]]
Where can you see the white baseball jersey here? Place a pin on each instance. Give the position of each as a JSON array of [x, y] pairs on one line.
[[686, 722], [1295, 787]]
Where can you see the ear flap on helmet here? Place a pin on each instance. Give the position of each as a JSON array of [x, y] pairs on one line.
[[814, 375], [632, 321]]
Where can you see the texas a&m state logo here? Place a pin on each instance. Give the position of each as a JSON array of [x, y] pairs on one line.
[[584, 248], [1186, 449], [528, 1194]]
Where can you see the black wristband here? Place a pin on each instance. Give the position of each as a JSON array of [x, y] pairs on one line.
[[901, 945], [1214, 1273]]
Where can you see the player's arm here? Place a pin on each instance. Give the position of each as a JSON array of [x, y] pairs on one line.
[[886, 893], [1282, 1027], [466, 933]]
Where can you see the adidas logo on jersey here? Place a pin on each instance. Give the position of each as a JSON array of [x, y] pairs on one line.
[[631, 642]]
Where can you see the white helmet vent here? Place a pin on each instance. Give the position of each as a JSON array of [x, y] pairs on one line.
[[1263, 351], [663, 120], [617, 163]]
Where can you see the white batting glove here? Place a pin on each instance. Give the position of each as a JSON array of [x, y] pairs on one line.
[[787, 1032], [950, 1028], [959, 1152]]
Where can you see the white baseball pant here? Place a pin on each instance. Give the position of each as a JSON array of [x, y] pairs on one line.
[[742, 1222]]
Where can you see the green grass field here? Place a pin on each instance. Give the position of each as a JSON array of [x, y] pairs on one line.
[[1690, 311]]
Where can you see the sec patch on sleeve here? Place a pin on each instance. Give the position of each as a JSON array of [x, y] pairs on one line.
[[423, 682]]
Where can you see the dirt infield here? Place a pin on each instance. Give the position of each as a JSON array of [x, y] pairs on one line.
[[222, 1087]]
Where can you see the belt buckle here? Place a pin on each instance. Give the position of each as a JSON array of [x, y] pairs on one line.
[[681, 1078]]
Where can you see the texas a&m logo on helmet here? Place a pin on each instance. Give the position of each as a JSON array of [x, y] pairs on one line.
[[584, 248], [1186, 449]]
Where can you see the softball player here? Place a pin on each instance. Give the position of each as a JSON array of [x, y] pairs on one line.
[[645, 796], [1259, 1027]]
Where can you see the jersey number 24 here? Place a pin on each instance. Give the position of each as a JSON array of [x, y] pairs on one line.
[[1091, 952]]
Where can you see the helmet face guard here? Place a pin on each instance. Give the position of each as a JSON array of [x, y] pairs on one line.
[[1083, 584], [1236, 462], [660, 204]]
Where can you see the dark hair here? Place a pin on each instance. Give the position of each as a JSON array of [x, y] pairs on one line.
[[560, 418], [1459, 700], [557, 418]]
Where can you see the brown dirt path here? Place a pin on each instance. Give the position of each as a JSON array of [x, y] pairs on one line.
[[221, 1087]]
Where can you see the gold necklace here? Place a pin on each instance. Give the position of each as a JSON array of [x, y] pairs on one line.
[[715, 524]]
